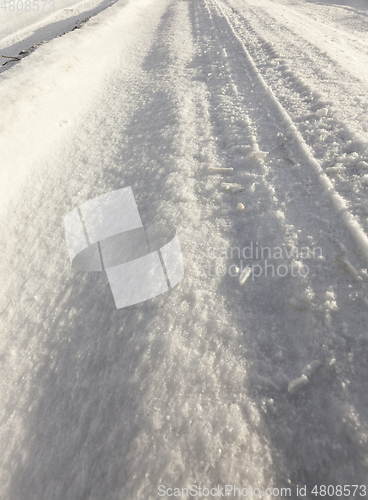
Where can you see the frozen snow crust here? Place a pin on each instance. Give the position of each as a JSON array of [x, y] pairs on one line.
[[248, 134]]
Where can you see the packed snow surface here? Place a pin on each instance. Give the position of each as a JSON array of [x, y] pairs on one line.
[[244, 125]]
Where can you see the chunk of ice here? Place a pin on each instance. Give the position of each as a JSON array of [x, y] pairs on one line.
[[257, 155], [296, 384], [245, 275], [322, 112]]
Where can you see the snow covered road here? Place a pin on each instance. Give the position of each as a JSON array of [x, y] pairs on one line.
[[257, 378]]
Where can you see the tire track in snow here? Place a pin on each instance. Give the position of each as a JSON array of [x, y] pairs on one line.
[[311, 337]]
